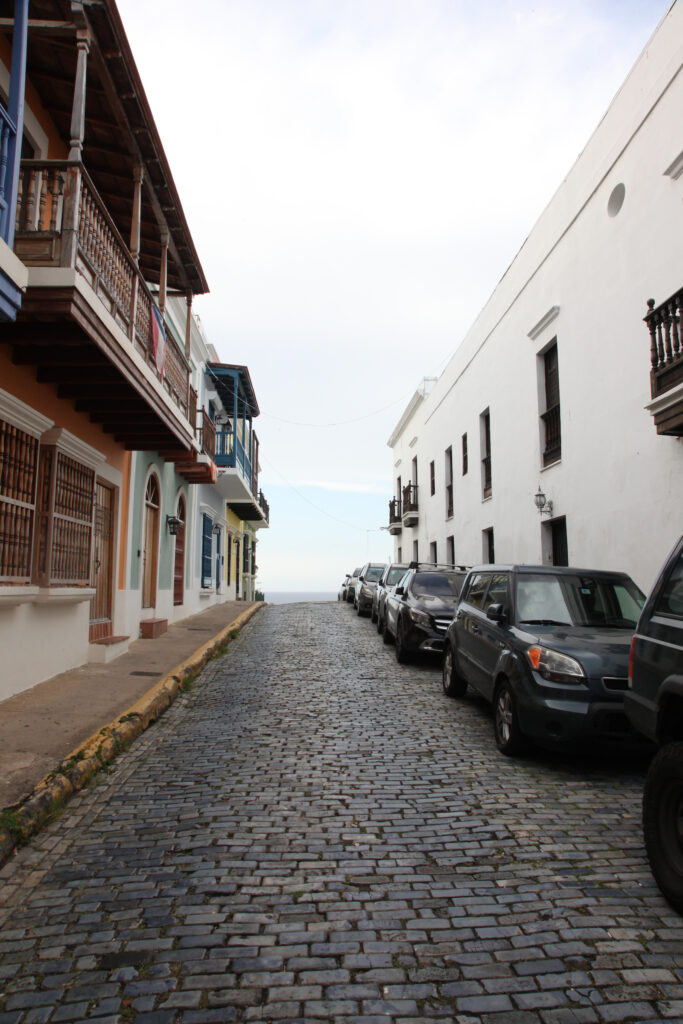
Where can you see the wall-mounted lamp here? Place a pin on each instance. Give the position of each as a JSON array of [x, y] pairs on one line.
[[544, 506], [216, 527], [173, 524]]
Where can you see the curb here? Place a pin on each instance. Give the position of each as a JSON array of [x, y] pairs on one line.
[[55, 790]]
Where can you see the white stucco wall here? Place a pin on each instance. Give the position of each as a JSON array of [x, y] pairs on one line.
[[619, 484]]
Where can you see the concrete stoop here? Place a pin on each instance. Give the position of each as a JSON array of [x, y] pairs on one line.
[[101, 652], [25, 819]]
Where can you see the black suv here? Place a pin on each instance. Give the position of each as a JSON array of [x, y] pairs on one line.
[[549, 647], [654, 703], [418, 611]]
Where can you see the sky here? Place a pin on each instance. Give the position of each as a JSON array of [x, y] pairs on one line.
[[357, 175]]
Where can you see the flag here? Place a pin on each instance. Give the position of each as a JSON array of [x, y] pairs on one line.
[[159, 340]]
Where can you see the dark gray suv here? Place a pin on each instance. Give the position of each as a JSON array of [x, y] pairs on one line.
[[549, 647], [654, 703]]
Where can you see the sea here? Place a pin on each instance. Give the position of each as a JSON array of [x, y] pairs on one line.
[[296, 596]]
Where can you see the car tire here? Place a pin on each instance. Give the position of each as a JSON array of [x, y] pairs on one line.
[[386, 635], [402, 654], [662, 809], [373, 614], [510, 739], [453, 684], [380, 625]]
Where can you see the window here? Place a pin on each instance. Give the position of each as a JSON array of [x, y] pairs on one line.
[[670, 600], [415, 554], [18, 471], [476, 589], [399, 554], [498, 590], [552, 441], [488, 553], [485, 427], [64, 519], [464, 454], [207, 544], [432, 552], [450, 550], [449, 482], [432, 479]]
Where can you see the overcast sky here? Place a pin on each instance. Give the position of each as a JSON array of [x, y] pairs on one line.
[[357, 175]]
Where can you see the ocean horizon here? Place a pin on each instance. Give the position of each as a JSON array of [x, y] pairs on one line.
[[297, 596]]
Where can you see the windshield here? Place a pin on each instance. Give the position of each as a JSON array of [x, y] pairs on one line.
[[446, 585], [578, 600], [374, 573], [394, 575]]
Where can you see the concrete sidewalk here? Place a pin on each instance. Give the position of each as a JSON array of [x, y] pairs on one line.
[[57, 720]]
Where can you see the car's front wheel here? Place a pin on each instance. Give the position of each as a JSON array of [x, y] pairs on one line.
[[402, 653], [386, 635], [510, 739], [380, 624], [373, 614], [663, 821], [453, 684]]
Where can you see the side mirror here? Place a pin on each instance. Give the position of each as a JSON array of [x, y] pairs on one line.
[[399, 591], [496, 613]]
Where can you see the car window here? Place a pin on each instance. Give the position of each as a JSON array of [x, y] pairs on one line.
[[476, 589], [437, 584], [374, 573], [670, 601], [393, 576], [498, 590], [578, 600]]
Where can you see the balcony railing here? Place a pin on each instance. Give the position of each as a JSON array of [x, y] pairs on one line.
[[666, 346], [8, 131], [394, 511], [486, 475], [449, 501], [206, 434], [409, 498], [264, 506], [61, 221], [553, 435], [230, 453]]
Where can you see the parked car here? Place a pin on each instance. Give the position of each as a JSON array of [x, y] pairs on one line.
[[548, 646], [341, 596], [418, 611], [654, 704], [351, 585], [366, 585], [385, 585]]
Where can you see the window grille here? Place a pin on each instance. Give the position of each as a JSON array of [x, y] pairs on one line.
[[18, 469], [64, 520]]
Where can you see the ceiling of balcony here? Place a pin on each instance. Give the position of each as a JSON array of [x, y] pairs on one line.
[[120, 133]]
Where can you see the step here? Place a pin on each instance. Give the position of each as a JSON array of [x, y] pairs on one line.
[[152, 628], [107, 648]]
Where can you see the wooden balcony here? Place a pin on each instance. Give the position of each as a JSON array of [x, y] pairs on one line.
[[410, 515], [666, 364], [87, 320], [395, 521]]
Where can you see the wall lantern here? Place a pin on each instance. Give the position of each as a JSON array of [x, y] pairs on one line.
[[216, 527], [173, 523], [544, 506]]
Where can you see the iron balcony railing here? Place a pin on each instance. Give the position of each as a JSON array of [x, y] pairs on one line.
[[394, 511], [410, 498]]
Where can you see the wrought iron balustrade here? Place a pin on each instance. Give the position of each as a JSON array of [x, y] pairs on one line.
[[394, 511], [410, 498]]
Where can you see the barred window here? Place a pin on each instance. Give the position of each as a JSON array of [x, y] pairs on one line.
[[18, 468], [64, 519]]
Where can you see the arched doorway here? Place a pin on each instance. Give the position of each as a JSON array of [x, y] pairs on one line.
[[151, 543], [179, 564]]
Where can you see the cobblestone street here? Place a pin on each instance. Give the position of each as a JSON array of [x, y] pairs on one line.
[[314, 832]]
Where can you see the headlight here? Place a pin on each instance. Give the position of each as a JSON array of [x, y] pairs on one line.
[[558, 668], [420, 617]]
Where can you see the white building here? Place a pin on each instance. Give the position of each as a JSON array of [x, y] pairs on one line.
[[552, 388]]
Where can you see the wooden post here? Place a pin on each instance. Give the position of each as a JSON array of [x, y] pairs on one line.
[[188, 326], [138, 175], [78, 108], [163, 271]]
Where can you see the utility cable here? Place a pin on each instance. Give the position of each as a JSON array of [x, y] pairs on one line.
[[352, 526]]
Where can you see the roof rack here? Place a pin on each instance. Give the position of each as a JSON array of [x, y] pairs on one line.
[[437, 565]]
